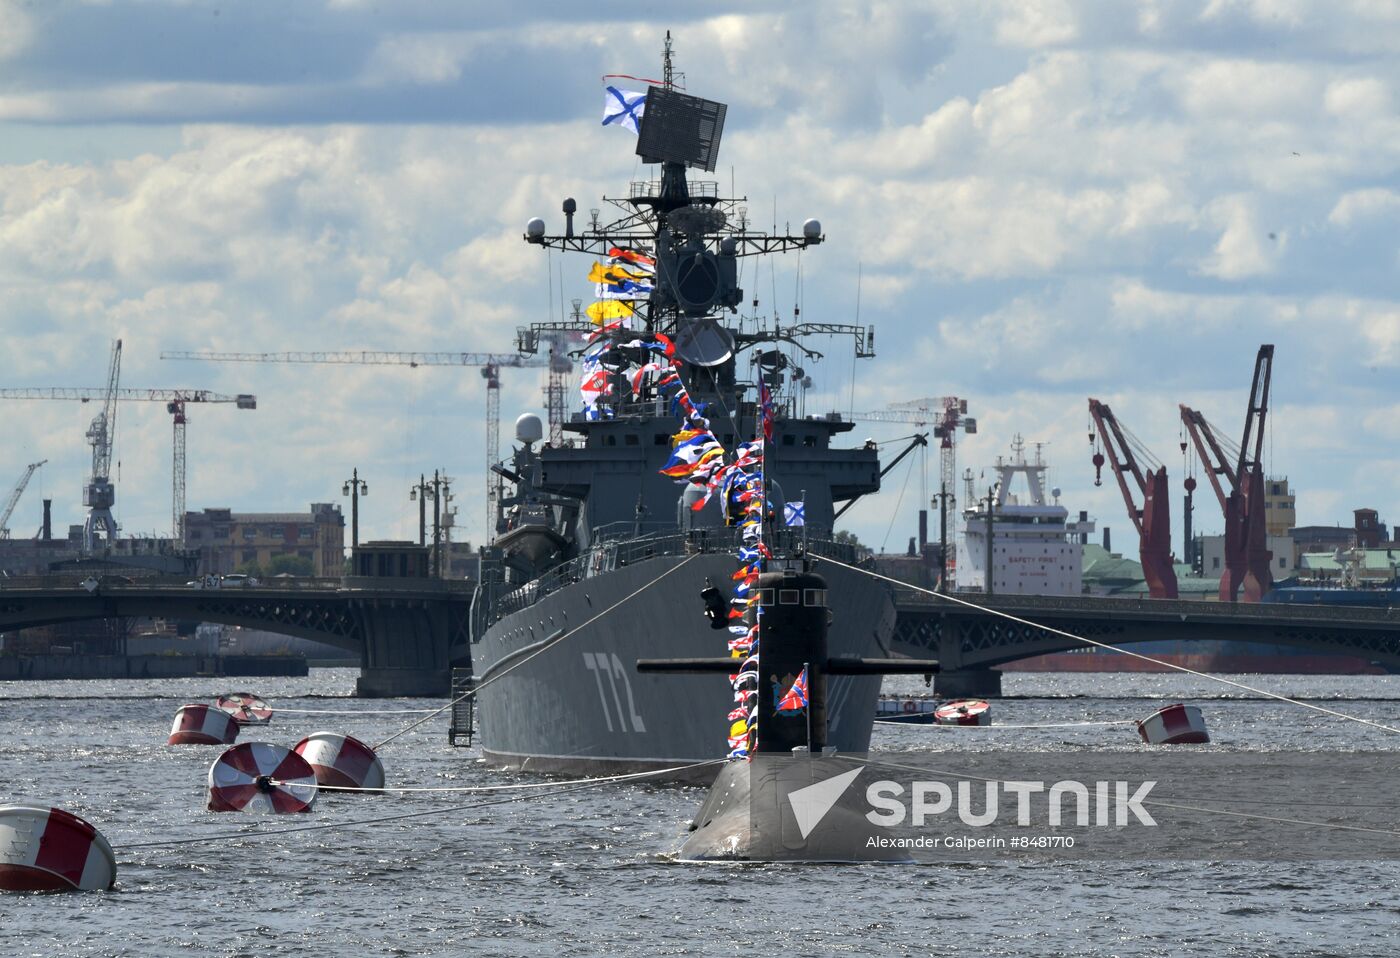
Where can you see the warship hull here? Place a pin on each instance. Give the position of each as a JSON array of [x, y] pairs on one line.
[[580, 706]]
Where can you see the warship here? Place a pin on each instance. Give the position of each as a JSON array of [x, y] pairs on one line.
[[601, 557]]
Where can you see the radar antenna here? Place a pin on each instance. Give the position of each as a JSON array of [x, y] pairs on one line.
[[668, 73]]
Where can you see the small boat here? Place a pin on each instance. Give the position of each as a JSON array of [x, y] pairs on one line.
[[905, 711]]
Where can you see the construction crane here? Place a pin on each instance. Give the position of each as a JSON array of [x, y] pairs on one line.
[[1129, 457], [489, 363], [99, 495], [14, 497], [948, 414], [175, 402], [1241, 495]]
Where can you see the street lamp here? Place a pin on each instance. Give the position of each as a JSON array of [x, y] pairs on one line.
[[354, 487], [941, 499], [438, 491], [421, 493]]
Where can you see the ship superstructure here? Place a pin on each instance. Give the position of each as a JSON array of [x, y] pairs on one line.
[[595, 522], [1034, 547]]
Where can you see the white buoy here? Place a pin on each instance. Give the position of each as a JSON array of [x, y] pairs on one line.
[[245, 707], [202, 725], [1174, 725], [259, 777], [964, 712], [48, 849], [341, 760]]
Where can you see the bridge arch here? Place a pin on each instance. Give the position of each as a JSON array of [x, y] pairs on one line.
[[405, 631]]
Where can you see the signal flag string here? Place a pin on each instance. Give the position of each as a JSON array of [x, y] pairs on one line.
[[548, 644], [1113, 648]]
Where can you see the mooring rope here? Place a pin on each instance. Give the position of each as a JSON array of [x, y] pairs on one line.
[[1113, 648], [277, 708], [941, 727], [560, 789], [548, 644], [514, 786]]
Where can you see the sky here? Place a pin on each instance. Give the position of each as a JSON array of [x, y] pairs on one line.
[[1033, 201]]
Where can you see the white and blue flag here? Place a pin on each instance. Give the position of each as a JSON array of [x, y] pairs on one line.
[[795, 513], [623, 108]]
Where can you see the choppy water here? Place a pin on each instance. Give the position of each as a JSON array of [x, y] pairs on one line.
[[591, 872]]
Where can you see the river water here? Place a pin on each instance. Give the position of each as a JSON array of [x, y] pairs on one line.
[[592, 872]]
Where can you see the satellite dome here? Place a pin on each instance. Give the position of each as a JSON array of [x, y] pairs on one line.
[[528, 428], [812, 230], [535, 228]]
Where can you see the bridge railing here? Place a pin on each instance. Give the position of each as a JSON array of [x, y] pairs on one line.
[[73, 581], [1142, 606]]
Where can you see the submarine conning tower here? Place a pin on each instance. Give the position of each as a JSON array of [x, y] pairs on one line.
[[794, 618], [793, 610]]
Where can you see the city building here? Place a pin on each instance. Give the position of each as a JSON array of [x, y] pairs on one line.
[[1280, 506], [1110, 573], [1370, 531], [227, 541], [1211, 549], [134, 555], [1320, 539]]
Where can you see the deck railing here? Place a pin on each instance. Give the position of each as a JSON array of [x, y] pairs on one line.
[[617, 547]]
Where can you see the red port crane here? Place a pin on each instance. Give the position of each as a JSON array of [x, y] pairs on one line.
[[1129, 457], [1247, 555]]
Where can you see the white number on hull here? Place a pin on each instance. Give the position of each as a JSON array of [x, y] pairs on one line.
[[601, 664]]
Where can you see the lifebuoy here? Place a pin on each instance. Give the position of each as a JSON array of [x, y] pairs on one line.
[[909, 706]]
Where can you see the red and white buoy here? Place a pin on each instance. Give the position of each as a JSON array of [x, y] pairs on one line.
[[964, 712], [202, 725], [341, 760], [1174, 725], [48, 849], [259, 777], [245, 707]]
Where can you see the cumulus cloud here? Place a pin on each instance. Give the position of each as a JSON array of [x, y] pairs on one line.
[[1037, 23], [1244, 249], [1361, 205], [1043, 201], [16, 28]]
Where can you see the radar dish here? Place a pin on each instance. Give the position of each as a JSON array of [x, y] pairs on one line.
[[696, 220], [704, 342], [696, 282], [679, 128]]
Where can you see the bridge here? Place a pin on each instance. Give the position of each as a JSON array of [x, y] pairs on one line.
[[969, 643], [407, 632], [410, 632]]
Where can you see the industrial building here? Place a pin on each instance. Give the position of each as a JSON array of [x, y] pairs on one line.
[[226, 540]]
